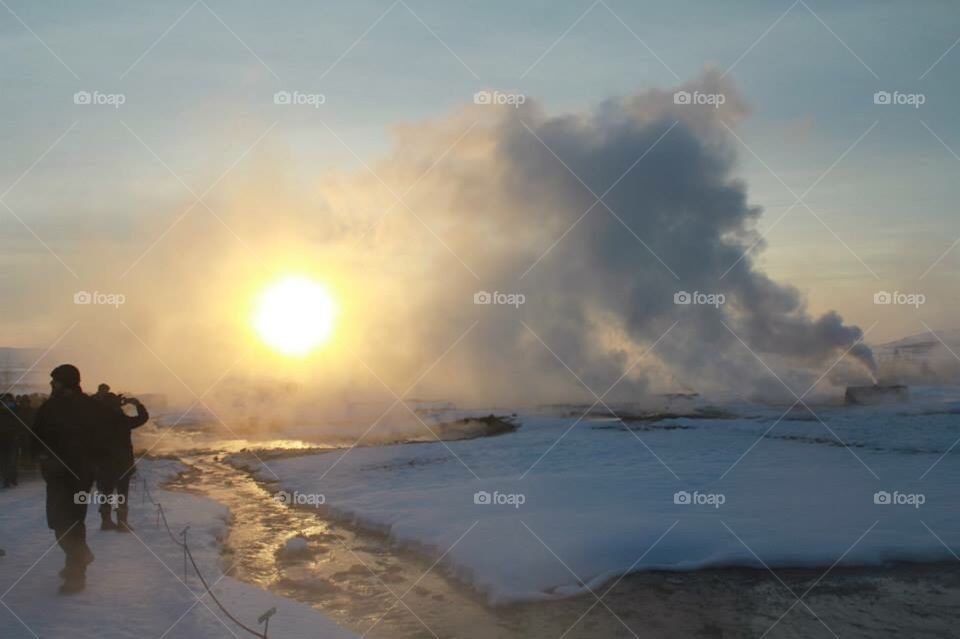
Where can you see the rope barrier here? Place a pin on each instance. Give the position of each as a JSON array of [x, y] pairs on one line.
[[188, 556]]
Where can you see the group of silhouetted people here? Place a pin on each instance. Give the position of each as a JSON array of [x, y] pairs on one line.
[[15, 413], [77, 439]]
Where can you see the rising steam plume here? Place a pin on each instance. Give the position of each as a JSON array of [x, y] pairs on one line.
[[673, 217], [499, 198]]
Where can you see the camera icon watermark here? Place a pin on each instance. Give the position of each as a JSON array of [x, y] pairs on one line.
[[499, 98], [296, 98], [483, 298], [896, 498], [896, 98], [684, 298], [716, 100], [885, 298], [86, 298], [299, 499], [496, 498], [696, 498], [98, 499], [96, 98]]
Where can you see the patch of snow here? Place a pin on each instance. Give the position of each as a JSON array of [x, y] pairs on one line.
[[294, 548], [556, 508], [136, 586]]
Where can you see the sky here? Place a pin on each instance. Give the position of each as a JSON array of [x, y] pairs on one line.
[[857, 197]]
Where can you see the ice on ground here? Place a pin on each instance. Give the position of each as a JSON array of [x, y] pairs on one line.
[[561, 506], [136, 586]]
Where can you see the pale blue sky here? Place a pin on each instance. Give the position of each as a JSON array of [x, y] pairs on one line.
[[195, 92]]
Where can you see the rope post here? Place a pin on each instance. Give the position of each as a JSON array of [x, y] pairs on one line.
[[183, 534], [188, 558], [265, 620]]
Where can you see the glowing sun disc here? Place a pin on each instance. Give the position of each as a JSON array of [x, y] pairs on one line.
[[295, 315]]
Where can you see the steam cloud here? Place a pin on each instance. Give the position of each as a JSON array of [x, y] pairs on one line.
[[677, 219], [492, 200]]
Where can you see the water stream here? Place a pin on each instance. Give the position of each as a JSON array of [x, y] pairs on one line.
[[361, 580]]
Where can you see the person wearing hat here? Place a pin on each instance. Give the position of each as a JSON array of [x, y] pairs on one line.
[[104, 394], [115, 462], [67, 428]]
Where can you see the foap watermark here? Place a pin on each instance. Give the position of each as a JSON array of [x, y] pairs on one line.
[[896, 98], [696, 498], [96, 298], [499, 98], [884, 298], [496, 498], [499, 299], [98, 499], [896, 498], [96, 98], [697, 298], [296, 98], [699, 99], [299, 499]]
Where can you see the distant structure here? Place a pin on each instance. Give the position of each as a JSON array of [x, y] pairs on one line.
[[892, 394]]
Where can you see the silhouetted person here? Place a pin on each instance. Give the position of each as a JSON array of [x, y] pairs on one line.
[[115, 462], [10, 428], [67, 426], [103, 393], [27, 413]]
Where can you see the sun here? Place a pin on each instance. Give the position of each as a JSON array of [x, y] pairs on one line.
[[295, 315]]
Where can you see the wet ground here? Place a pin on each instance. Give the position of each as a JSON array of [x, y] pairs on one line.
[[358, 578]]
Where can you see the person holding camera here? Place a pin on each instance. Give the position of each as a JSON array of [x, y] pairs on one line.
[[66, 430], [115, 462]]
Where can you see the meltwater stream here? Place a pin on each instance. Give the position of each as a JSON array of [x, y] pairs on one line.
[[356, 577], [362, 581], [377, 590]]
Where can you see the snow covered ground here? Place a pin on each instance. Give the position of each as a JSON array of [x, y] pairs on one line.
[[136, 586], [539, 514]]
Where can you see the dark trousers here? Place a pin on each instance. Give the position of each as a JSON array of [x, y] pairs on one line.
[[114, 476], [77, 553], [67, 497]]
